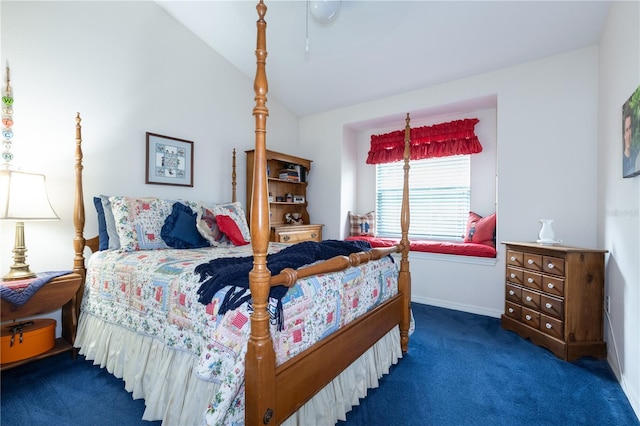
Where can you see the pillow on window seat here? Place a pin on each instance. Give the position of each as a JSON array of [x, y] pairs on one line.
[[481, 230], [362, 225], [429, 246]]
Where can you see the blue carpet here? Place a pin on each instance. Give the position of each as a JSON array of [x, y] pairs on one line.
[[464, 369], [461, 369]]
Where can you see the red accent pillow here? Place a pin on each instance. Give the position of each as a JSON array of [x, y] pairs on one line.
[[230, 228], [481, 230]]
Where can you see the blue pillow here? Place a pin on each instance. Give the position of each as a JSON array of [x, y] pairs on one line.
[[103, 236], [180, 231]]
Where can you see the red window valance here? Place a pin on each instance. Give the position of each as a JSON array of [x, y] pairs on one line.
[[440, 140]]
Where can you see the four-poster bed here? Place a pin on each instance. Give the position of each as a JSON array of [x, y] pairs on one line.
[[272, 388]]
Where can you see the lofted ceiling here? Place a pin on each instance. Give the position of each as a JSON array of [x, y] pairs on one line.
[[374, 49]]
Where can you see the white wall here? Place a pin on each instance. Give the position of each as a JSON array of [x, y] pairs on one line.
[[619, 206], [128, 68], [546, 157]]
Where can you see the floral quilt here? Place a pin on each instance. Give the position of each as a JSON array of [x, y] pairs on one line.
[[154, 292]]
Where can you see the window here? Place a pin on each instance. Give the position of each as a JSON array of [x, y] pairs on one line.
[[439, 195]]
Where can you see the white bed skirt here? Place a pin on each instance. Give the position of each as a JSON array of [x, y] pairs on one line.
[[165, 378]]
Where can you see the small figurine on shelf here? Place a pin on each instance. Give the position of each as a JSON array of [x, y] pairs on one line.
[[293, 218]]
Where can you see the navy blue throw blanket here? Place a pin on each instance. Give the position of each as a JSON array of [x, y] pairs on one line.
[[234, 271]]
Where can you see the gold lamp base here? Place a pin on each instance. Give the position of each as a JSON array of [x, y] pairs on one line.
[[19, 270]]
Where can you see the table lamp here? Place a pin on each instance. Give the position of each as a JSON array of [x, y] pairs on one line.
[[23, 197]]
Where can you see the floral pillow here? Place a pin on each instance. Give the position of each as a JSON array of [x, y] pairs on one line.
[[235, 212], [139, 221], [362, 225], [208, 227]]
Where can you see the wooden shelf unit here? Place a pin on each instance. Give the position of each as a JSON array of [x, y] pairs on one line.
[[280, 230]]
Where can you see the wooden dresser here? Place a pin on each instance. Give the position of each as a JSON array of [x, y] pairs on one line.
[[554, 296]]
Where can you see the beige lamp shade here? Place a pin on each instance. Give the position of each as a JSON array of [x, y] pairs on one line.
[[24, 197]]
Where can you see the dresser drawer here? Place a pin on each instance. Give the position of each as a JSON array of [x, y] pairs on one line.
[[551, 326], [552, 306], [532, 261], [514, 293], [514, 275], [512, 310], [553, 265], [514, 258], [295, 234], [553, 285], [530, 317], [532, 279], [531, 299]]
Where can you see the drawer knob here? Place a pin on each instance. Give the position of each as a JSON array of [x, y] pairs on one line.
[[530, 261], [529, 299], [549, 326], [314, 235], [550, 285], [513, 258], [528, 317], [513, 275], [549, 305], [286, 238], [510, 310], [511, 292], [550, 265], [530, 280]]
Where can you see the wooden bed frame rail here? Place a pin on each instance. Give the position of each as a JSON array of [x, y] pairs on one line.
[[273, 393]]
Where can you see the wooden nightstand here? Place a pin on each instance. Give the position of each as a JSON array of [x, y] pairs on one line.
[[62, 292]]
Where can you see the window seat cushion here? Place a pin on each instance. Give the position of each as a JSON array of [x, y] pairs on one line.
[[430, 246]]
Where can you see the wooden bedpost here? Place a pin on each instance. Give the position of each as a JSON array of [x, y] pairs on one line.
[[78, 240], [404, 278], [233, 177], [260, 374], [78, 207]]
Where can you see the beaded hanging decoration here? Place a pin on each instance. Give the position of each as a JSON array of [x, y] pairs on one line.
[[7, 122]]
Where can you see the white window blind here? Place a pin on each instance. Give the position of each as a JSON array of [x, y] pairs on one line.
[[439, 195]]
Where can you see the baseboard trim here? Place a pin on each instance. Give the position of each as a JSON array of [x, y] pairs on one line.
[[472, 309]]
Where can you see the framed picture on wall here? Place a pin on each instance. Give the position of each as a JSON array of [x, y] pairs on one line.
[[631, 135], [169, 160]]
